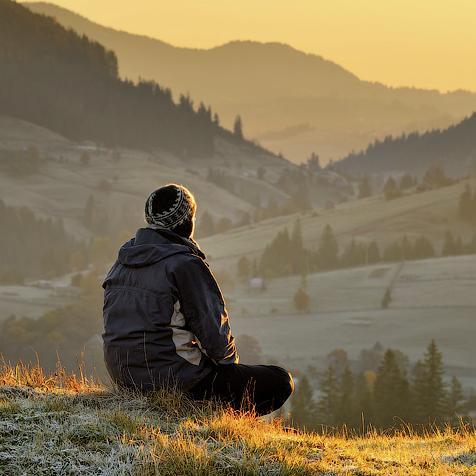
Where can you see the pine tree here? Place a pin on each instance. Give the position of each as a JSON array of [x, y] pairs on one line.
[[299, 253], [238, 127], [406, 182], [454, 404], [407, 248], [466, 205], [206, 226], [301, 300], [423, 248], [364, 400], [89, 212], [373, 253], [392, 394], [327, 403], [244, 268], [303, 406], [449, 245], [428, 387], [391, 190], [328, 249], [345, 411], [365, 189]]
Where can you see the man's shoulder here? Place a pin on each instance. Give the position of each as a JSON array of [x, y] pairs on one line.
[[188, 261]]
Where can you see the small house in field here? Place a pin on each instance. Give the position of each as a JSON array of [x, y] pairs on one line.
[[257, 283]]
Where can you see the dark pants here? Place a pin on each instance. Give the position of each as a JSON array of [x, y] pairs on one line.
[[262, 388]]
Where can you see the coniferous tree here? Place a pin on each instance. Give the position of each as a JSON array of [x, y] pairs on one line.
[[407, 248], [298, 255], [88, 214], [328, 249], [244, 268], [406, 182], [301, 300], [423, 248], [466, 205], [392, 393], [391, 190], [206, 225], [428, 387], [238, 127], [454, 404], [435, 177], [365, 189], [303, 406], [346, 410], [327, 402], [364, 398], [373, 253], [450, 245]]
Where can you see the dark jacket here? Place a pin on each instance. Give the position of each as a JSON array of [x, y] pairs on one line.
[[165, 320]]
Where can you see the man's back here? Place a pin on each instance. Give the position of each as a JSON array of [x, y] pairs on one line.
[[151, 313]]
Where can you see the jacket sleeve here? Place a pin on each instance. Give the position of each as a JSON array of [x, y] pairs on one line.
[[204, 309]]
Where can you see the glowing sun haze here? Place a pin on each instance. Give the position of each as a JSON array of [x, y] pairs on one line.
[[424, 43]]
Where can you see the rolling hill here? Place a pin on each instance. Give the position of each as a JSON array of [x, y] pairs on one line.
[[290, 101], [67, 425], [453, 148], [430, 213]]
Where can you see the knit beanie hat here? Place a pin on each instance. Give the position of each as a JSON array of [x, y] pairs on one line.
[[171, 207]]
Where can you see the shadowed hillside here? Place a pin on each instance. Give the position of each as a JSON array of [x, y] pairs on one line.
[[453, 148], [77, 92], [290, 101], [64, 421]]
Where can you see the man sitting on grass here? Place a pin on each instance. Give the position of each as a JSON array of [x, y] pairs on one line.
[[165, 318]]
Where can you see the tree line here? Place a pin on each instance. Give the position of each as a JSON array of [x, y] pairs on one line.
[[415, 151], [286, 254], [393, 395]]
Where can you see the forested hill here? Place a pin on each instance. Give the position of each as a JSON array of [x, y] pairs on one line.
[[65, 82], [453, 148]]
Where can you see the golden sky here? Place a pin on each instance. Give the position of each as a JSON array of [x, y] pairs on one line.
[[424, 43]]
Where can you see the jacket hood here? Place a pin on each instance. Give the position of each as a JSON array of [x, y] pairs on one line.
[[150, 246]]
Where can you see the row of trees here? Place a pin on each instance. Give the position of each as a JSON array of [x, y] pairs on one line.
[[286, 254], [393, 396]]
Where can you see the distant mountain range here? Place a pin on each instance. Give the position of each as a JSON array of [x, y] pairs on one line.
[[290, 101], [453, 148]]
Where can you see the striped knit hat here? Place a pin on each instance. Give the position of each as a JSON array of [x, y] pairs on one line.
[[169, 207]]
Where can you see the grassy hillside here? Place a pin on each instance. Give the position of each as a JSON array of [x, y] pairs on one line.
[[291, 101], [63, 424], [61, 186], [429, 213]]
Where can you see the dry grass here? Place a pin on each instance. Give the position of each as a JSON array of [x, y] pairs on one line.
[[66, 424]]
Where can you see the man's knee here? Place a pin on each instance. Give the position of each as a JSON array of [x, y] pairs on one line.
[[284, 382]]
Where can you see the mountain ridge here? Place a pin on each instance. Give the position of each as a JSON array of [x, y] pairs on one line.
[[276, 87]]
